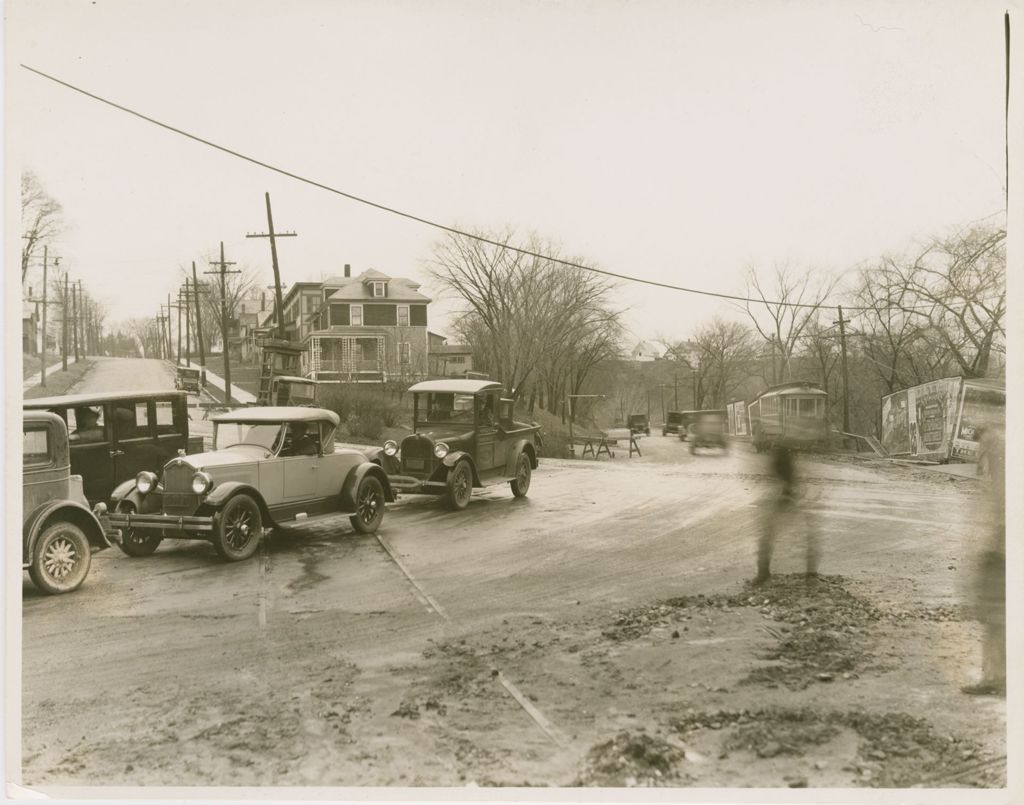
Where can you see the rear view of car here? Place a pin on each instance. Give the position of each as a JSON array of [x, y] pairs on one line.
[[59, 532]]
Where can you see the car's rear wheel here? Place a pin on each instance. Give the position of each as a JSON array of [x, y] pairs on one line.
[[238, 528], [369, 506], [460, 486], [62, 559], [137, 542], [521, 483]]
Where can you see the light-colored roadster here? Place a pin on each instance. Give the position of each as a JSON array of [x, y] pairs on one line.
[[269, 466]]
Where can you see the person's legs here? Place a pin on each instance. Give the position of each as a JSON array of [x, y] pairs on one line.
[[766, 544], [813, 537]]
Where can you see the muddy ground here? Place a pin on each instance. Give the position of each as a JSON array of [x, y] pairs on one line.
[[601, 632]]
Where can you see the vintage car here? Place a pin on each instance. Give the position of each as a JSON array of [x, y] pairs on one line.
[[639, 423], [708, 429], [463, 437], [59, 533], [188, 378], [269, 466], [116, 435], [673, 423], [289, 390]]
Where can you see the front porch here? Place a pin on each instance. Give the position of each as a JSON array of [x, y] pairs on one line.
[[353, 359]]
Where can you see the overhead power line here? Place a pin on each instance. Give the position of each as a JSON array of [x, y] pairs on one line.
[[417, 218]]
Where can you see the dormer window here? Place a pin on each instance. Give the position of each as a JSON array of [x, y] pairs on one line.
[[380, 289]]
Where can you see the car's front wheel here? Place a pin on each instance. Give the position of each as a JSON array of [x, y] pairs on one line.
[[62, 559], [521, 483], [460, 486], [238, 528], [137, 542], [369, 506]]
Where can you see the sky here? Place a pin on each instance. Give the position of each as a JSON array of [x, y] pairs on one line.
[[679, 142]]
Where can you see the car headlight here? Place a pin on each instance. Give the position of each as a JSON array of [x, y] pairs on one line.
[[390, 447], [145, 482], [201, 483], [440, 449]]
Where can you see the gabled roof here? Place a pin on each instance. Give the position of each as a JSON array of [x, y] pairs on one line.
[[358, 289]]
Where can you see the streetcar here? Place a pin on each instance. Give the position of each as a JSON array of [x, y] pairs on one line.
[[792, 414]]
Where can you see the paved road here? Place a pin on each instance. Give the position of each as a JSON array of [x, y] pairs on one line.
[[126, 374], [324, 661]]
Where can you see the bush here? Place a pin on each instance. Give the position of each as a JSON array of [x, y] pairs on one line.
[[362, 409]]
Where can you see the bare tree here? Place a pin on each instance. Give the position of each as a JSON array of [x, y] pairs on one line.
[[790, 301], [530, 320], [41, 219], [725, 357]]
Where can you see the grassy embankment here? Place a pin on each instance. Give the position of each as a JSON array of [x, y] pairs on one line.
[[58, 382]]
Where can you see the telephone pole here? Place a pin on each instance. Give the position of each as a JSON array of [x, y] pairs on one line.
[[183, 299], [42, 351], [278, 303], [176, 307], [196, 290], [64, 326], [846, 386], [223, 272], [74, 319]]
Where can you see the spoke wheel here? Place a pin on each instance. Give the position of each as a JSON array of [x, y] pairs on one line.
[[460, 486], [62, 558], [369, 505], [137, 542], [239, 526], [521, 483]]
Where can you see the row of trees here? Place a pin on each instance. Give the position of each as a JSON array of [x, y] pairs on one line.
[[547, 330]]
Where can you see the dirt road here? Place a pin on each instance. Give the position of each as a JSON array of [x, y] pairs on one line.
[[598, 632]]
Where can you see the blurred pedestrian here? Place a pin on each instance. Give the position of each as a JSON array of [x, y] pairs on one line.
[[989, 591], [783, 511]]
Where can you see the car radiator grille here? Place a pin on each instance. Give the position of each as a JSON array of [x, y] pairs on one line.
[[178, 495], [417, 456]]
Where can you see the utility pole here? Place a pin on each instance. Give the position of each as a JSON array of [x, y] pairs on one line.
[[223, 272], [178, 308], [42, 352], [199, 317], [64, 326], [279, 312], [74, 320], [183, 297], [82, 319], [846, 387]]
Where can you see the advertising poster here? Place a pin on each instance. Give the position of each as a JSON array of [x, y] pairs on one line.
[[980, 407], [932, 409], [896, 424], [738, 418]]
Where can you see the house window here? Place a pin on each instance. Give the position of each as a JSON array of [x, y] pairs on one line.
[[403, 315], [418, 315], [380, 289], [404, 353], [457, 359], [356, 313]]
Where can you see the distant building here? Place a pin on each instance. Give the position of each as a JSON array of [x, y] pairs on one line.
[[448, 360], [29, 329]]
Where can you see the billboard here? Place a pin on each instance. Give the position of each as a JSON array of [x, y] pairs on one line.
[[737, 418], [981, 406], [896, 424], [932, 409]]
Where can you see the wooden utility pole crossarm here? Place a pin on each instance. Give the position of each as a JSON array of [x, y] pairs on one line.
[[278, 301], [222, 266]]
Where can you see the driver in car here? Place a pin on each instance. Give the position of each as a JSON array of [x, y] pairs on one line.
[[302, 444]]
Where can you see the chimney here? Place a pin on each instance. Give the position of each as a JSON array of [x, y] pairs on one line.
[[348, 270]]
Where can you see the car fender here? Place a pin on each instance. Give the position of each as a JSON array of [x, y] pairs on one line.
[[356, 475], [452, 459], [520, 446], [55, 510], [390, 464], [223, 492], [121, 492]]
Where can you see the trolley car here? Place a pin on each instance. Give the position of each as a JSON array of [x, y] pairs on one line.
[[792, 414]]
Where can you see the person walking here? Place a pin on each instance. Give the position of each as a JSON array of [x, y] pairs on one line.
[[783, 511], [990, 579]]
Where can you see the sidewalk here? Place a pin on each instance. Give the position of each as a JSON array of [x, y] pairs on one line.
[[35, 379], [238, 395]]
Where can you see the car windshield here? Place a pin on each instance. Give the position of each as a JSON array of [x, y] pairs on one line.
[[445, 407], [232, 434]]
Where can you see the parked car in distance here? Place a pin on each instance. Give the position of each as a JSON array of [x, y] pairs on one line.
[[188, 378], [270, 466], [59, 532], [639, 423], [673, 423], [708, 430], [116, 435], [464, 436]]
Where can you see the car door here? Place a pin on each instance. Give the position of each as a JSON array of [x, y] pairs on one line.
[[488, 456], [93, 459], [300, 473], [135, 446]]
